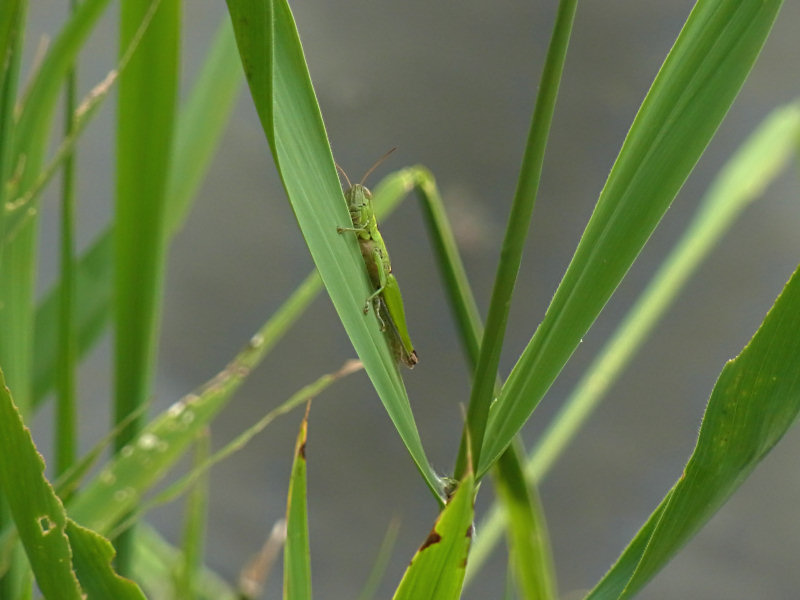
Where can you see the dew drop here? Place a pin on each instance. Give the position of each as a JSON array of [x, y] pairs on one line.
[[148, 441]]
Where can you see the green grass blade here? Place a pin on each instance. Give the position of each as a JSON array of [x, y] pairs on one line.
[[119, 487], [148, 89], [754, 402], [190, 567], [54, 545], [15, 577], [437, 569], [38, 513], [691, 94], [740, 182], [92, 560], [10, 21], [64, 487], [529, 551], [283, 95], [296, 551], [145, 121], [66, 431], [456, 284], [485, 376]]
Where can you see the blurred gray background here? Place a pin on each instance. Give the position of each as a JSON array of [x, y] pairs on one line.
[[452, 85]]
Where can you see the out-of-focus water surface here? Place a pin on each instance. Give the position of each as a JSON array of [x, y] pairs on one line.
[[452, 86]]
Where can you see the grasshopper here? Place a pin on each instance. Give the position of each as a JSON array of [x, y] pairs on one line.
[[386, 300]]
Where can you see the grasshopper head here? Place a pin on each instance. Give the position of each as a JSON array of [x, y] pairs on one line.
[[359, 203]]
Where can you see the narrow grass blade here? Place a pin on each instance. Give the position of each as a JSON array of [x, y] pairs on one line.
[[147, 100], [456, 284], [37, 512], [66, 431], [54, 544], [485, 375], [188, 571], [92, 555], [740, 183], [10, 20], [691, 94], [529, 551], [145, 122], [64, 486], [119, 487], [296, 551], [281, 88], [754, 402], [437, 570]]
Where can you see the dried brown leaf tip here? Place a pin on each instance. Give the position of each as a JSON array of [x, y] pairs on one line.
[[301, 448]]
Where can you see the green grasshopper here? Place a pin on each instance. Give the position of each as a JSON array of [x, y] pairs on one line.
[[386, 300]]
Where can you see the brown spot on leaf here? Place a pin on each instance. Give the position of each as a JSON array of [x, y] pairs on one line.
[[469, 531], [433, 538], [302, 451]]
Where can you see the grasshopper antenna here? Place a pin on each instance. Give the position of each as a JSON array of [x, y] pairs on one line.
[[376, 165], [341, 170]]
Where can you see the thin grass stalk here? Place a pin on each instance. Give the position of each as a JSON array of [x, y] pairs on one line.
[[16, 287], [456, 283], [190, 566], [66, 410], [10, 64], [516, 233]]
